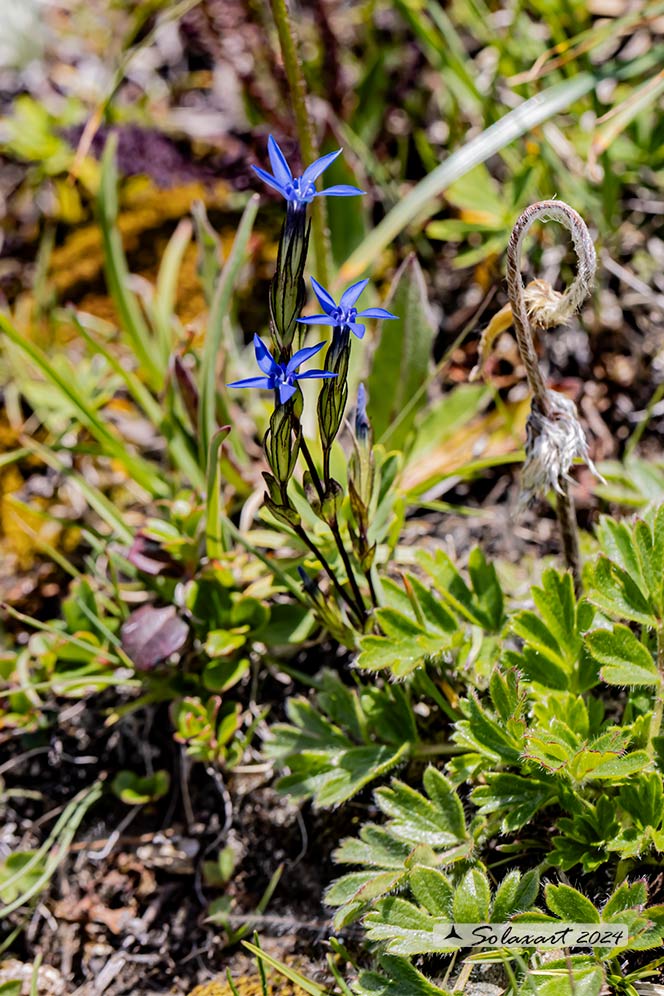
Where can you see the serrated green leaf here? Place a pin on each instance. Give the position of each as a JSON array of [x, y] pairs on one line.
[[618, 595], [514, 796], [625, 897], [643, 799], [472, 898], [621, 767], [626, 661], [570, 904], [419, 820], [431, 889], [583, 981], [480, 611], [375, 847], [363, 886], [443, 796], [332, 777], [407, 929], [434, 614], [486, 588], [515, 894], [484, 733], [354, 769], [400, 979]]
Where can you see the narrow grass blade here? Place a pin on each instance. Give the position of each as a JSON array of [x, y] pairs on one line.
[[14, 456], [209, 251], [214, 536], [213, 338], [302, 981], [422, 201], [136, 388], [167, 284], [95, 498], [140, 470], [60, 841], [132, 322], [617, 120]]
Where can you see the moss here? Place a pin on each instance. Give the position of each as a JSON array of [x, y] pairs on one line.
[[248, 985]]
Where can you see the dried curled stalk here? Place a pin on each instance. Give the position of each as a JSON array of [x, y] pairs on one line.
[[554, 436]]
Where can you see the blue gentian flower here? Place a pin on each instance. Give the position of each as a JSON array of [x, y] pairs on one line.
[[301, 190], [281, 377], [344, 313]]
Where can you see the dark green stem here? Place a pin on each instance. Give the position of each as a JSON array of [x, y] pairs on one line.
[[569, 535], [308, 144], [349, 568], [352, 580], [312, 468], [372, 590], [656, 723], [330, 573]]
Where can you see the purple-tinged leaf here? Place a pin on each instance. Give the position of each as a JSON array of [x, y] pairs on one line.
[[151, 635]]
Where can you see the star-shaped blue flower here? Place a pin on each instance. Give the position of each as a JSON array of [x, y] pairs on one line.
[[344, 313], [301, 189], [281, 377]]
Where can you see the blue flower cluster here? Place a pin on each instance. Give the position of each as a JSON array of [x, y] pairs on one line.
[[281, 377], [301, 189], [298, 192]]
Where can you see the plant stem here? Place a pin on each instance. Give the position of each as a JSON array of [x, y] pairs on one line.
[[372, 590], [299, 531], [656, 724], [568, 533], [563, 306], [306, 452], [334, 528], [436, 750], [570, 301], [305, 133]]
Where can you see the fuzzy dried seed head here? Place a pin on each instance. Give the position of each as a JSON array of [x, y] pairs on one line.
[[553, 441], [546, 307]]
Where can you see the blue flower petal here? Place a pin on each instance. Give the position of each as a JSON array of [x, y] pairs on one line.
[[375, 313], [327, 302], [286, 392], [312, 172], [264, 358], [280, 168], [302, 356], [263, 382], [340, 190], [317, 320], [357, 329], [350, 296], [309, 374], [269, 179]]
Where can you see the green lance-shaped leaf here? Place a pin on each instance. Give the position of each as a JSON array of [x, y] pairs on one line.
[[402, 357]]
